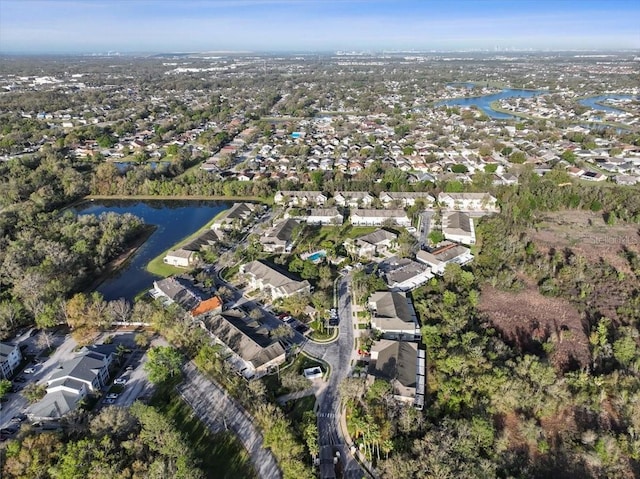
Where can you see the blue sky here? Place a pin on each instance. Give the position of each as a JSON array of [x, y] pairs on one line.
[[61, 26]]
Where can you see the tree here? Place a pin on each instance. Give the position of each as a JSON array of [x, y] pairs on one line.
[[11, 315], [255, 314], [518, 157], [163, 363], [282, 332], [5, 387], [44, 339], [86, 315], [120, 310], [436, 236], [33, 392], [141, 340], [112, 420]]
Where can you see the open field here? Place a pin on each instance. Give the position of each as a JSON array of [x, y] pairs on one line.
[[527, 319], [587, 234]]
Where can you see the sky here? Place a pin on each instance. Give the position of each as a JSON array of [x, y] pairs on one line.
[[86, 26]]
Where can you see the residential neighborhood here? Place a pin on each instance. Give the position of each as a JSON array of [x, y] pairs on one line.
[[341, 264]]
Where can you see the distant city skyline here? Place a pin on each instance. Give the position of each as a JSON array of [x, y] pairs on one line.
[[76, 26]]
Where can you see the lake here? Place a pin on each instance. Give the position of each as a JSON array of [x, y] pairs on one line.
[[484, 102], [592, 102], [125, 165], [174, 221]]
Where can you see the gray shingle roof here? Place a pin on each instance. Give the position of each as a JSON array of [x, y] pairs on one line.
[[396, 360]]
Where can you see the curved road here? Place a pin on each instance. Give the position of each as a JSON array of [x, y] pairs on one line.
[[338, 355]]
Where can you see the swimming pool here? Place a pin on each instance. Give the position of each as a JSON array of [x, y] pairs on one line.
[[317, 256]]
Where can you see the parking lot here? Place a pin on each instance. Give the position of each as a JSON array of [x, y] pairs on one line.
[[40, 367]]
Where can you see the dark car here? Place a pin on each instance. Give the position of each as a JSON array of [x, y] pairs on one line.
[[334, 321], [8, 431]]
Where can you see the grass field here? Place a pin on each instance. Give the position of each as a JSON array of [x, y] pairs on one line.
[[221, 455]]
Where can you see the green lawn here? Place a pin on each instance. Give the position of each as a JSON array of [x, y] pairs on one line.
[[222, 455], [158, 267], [318, 334]]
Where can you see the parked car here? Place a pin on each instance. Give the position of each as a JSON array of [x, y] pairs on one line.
[[113, 396], [108, 401], [19, 379], [30, 370], [120, 381]]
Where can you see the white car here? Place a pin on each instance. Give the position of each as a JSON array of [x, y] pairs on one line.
[[30, 370], [120, 381], [112, 396]]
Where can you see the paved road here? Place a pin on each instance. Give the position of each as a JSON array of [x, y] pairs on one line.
[[425, 226], [338, 354], [218, 411]]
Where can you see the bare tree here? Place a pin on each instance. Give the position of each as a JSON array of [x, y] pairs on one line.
[[44, 339], [255, 314], [282, 332], [120, 310]]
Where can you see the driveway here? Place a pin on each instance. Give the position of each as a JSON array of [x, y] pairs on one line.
[[218, 411]]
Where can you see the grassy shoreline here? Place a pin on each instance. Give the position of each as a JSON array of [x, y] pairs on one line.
[[255, 199], [158, 267]]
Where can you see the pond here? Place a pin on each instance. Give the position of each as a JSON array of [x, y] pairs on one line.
[[174, 221], [483, 103], [594, 102], [125, 165]]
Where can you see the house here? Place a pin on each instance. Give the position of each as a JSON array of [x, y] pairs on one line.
[[593, 176], [300, 198], [275, 284], [88, 372], [258, 352], [180, 257], [627, 180], [458, 227], [403, 274], [394, 199], [204, 241], [10, 358], [279, 238], [447, 253], [325, 216], [177, 290], [468, 201], [235, 217], [55, 405], [401, 364], [211, 305], [72, 381], [369, 217], [353, 199], [393, 315], [372, 244]]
